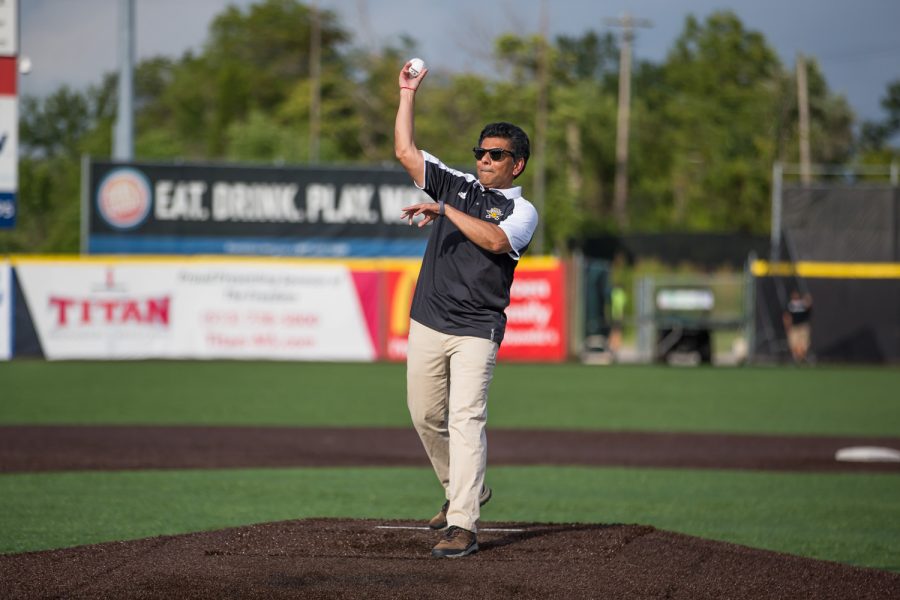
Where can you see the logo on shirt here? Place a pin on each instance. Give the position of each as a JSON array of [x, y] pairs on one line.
[[494, 213], [462, 195]]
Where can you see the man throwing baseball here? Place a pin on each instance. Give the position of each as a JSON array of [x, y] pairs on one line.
[[480, 227]]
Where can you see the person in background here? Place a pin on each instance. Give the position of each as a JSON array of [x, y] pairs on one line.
[[797, 316], [617, 301]]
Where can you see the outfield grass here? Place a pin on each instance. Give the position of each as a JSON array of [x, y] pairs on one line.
[[824, 401], [851, 518]]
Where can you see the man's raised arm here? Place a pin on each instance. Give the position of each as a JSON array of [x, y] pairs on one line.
[[404, 126]]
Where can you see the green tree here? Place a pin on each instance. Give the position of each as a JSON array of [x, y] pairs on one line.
[[875, 136], [252, 62], [60, 124], [54, 132], [581, 106], [584, 84], [719, 115], [707, 122]]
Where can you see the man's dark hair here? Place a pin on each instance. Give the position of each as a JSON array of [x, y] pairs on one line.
[[518, 139]]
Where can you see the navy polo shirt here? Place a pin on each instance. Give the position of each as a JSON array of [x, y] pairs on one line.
[[462, 288]]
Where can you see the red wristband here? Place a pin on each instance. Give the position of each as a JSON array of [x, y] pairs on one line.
[[406, 87]]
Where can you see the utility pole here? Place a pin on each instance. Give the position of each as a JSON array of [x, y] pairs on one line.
[[315, 81], [540, 128], [123, 140], [365, 26], [803, 108], [627, 23]]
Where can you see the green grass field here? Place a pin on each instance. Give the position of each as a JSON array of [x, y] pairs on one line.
[[853, 518]]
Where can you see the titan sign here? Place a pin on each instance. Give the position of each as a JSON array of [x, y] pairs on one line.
[[193, 209], [198, 309]]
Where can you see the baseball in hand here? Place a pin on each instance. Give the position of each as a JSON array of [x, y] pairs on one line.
[[415, 67]]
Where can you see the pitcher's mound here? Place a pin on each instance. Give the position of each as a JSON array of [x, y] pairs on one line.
[[325, 558]]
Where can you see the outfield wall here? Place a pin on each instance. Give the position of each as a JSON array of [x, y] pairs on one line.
[[111, 308]]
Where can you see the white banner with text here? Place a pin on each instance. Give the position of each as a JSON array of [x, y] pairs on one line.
[[197, 309]]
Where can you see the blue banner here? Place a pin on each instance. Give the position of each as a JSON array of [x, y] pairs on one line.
[[7, 210], [136, 208]]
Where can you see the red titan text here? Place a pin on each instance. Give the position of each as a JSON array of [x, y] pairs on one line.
[[110, 310]]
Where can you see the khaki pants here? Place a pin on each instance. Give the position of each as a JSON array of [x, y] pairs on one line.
[[447, 379]]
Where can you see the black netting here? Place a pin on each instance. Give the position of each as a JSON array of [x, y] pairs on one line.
[[841, 223]]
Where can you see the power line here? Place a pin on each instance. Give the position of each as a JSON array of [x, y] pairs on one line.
[[892, 50]]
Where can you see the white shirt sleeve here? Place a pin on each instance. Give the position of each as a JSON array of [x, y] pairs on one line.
[[519, 227]]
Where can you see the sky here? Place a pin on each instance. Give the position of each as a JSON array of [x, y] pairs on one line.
[[857, 44]]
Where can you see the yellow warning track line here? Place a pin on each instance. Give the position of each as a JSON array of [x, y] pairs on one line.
[[826, 270]]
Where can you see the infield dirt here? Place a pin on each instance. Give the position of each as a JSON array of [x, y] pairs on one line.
[[31, 448]]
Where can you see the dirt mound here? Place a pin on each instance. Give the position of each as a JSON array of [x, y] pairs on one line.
[[325, 558]]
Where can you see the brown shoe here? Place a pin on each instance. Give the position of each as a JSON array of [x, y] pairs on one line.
[[439, 521], [456, 542]]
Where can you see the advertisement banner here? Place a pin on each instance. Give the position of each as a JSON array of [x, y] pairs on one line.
[[536, 315], [5, 311], [246, 310], [279, 309], [9, 142], [401, 283], [219, 209], [9, 28]]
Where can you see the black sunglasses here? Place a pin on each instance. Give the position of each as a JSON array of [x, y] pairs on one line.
[[496, 153]]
